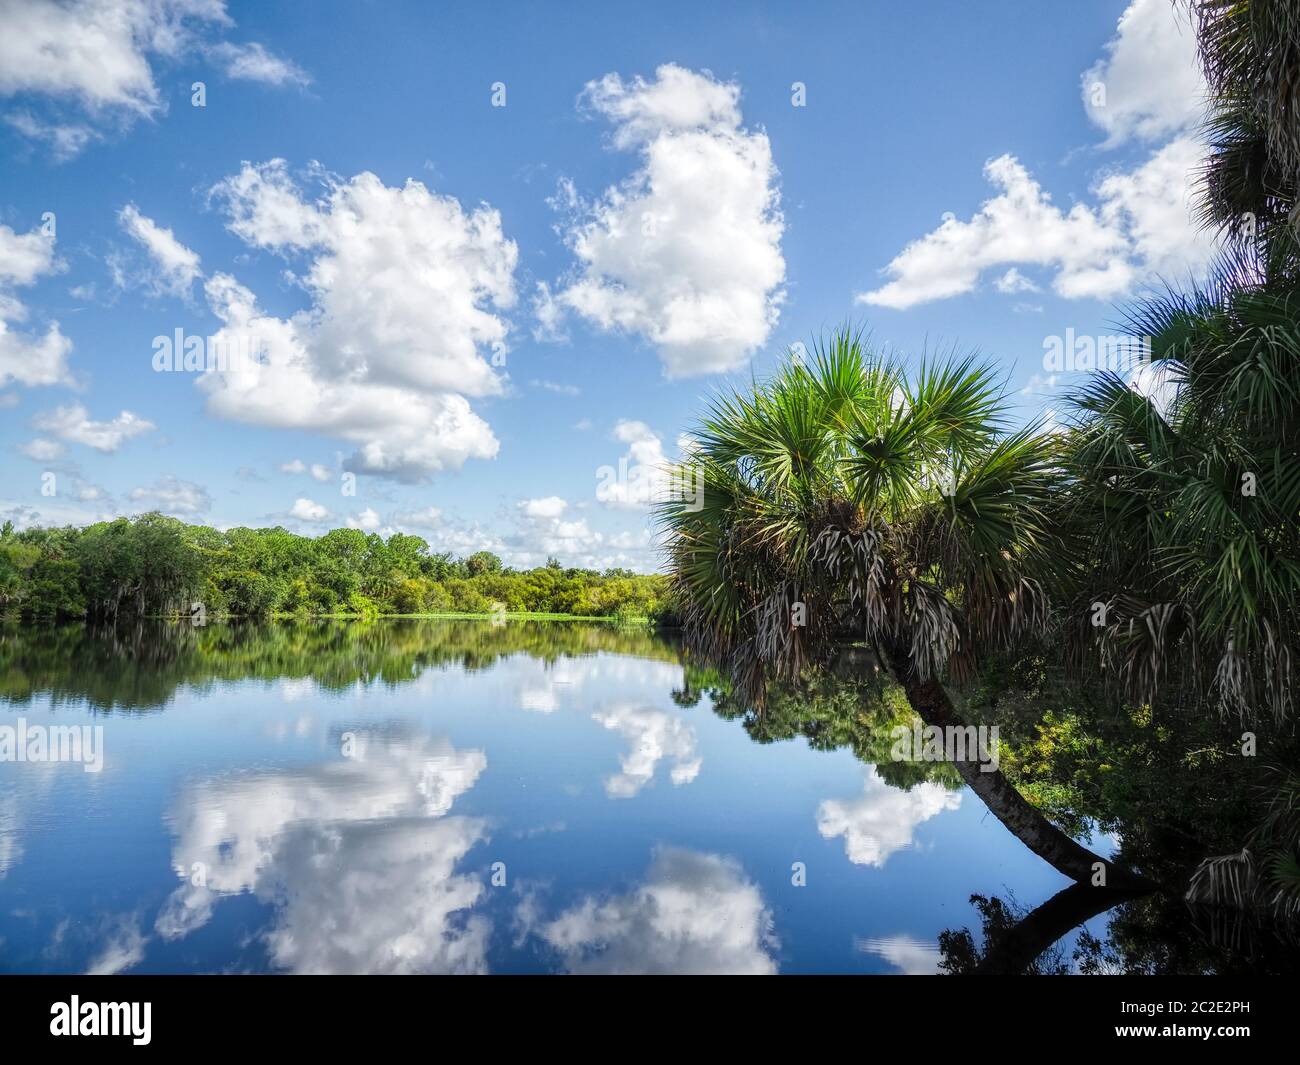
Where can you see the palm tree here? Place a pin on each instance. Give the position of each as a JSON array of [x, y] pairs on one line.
[[845, 498], [1183, 505], [1250, 51], [1264, 876], [1185, 510]]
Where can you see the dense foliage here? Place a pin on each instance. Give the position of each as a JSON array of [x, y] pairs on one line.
[[155, 565], [140, 666]]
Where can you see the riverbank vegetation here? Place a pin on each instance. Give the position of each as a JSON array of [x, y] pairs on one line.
[[139, 665], [158, 566]]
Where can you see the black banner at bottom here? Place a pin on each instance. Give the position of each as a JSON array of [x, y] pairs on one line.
[[337, 1013]]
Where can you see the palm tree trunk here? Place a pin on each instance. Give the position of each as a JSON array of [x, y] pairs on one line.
[[931, 703], [1019, 945]]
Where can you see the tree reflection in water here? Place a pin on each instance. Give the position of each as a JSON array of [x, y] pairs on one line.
[[141, 668]]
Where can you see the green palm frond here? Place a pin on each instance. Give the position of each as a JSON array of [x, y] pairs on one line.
[[1250, 52], [862, 500], [1265, 875], [1195, 506]]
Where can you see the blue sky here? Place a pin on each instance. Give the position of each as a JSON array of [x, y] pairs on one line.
[[486, 250]]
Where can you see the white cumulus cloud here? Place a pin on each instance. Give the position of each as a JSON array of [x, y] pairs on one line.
[[406, 291], [641, 476], [65, 140], [96, 51], [123, 948], [548, 507], [171, 495], [1149, 84], [357, 857], [100, 59], [74, 424], [42, 450], [308, 510], [252, 62], [368, 520], [25, 357], [883, 819], [687, 251], [910, 956], [1141, 226], [696, 913], [652, 736], [174, 267]]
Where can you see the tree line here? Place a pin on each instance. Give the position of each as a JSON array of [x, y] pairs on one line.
[[154, 565]]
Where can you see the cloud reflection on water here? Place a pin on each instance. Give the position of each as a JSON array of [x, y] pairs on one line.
[[358, 858]]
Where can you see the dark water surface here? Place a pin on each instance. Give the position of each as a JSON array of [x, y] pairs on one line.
[[448, 796]]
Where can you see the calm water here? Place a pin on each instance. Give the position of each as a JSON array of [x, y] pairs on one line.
[[431, 796]]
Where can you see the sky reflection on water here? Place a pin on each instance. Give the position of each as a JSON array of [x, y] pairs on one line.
[[525, 811]]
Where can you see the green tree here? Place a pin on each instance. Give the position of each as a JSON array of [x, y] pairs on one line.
[[1250, 51], [1184, 503], [847, 497], [156, 565], [482, 562]]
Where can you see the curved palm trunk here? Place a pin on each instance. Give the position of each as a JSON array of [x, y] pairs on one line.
[[1016, 950], [930, 701]]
